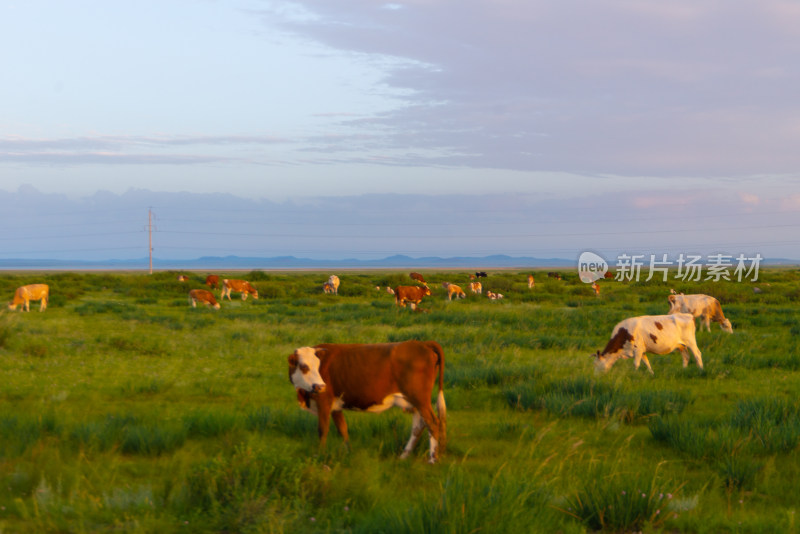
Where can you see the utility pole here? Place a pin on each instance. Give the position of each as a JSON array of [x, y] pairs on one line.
[[150, 236]]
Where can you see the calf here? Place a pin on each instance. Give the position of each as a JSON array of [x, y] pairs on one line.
[[212, 281], [704, 306], [659, 334], [481, 274], [183, 278], [333, 377], [204, 296], [240, 286], [412, 294], [476, 287], [25, 294], [453, 289]]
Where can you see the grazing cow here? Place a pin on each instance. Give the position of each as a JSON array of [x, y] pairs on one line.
[[703, 306], [481, 274], [596, 288], [212, 281], [476, 287], [453, 289], [493, 296], [659, 334], [608, 275], [25, 294], [555, 275], [333, 280], [531, 281], [240, 286], [204, 296], [333, 377], [327, 288], [412, 294], [418, 277], [183, 278]]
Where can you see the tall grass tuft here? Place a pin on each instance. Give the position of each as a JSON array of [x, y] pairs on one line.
[[466, 503], [621, 501]]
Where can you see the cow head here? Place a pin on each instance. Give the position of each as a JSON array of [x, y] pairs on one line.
[[674, 306], [426, 290], [726, 325], [304, 370], [602, 362]]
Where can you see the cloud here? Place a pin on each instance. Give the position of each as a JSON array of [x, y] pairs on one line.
[[613, 86]]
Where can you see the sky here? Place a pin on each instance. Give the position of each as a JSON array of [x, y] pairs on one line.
[[524, 127]]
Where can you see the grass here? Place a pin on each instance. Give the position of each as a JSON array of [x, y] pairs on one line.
[[124, 409]]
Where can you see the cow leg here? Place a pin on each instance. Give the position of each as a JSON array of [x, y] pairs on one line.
[[685, 355], [27, 305], [707, 322], [43, 307], [698, 357], [647, 363], [341, 426], [324, 421], [417, 426]]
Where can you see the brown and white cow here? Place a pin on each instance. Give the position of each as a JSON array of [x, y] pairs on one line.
[[25, 294], [704, 306], [418, 277], [333, 281], [476, 287], [183, 278], [596, 288], [412, 294], [659, 334], [204, 296], [327, 288], [212, 281], [453, 289], [531, 281], [239, 286], [333, 377]]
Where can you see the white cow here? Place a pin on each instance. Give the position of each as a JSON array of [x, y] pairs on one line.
[[333, 281], [703, 306], [659, 334]]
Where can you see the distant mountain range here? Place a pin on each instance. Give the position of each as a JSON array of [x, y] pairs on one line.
[[291, 262]]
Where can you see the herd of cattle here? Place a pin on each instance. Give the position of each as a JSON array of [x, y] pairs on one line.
[[331, 377]]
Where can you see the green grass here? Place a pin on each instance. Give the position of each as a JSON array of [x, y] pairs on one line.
[[126, 410]]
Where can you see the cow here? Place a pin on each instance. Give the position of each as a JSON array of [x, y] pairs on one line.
[[25, 294], [183, 278], [481, 274], [333, 280], [531, 282], [659, 334], [553, 274], [476, 287], [240, 286], [453, 289], [389, 290], [412, 294], [332, 377], [596, 288], [704, 306], [204, 296], [212, 281], [608, 275], [327, 288], [493, 296], [418, 277]]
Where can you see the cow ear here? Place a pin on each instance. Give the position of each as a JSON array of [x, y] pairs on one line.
[[321, 352], [293, 360]]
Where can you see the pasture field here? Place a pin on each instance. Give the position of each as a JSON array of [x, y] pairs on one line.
[[123, 409]]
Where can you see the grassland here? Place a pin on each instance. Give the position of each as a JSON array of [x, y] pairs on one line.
[[123, 409]]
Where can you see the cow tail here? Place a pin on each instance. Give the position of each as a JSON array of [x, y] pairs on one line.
[[441, 407]]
